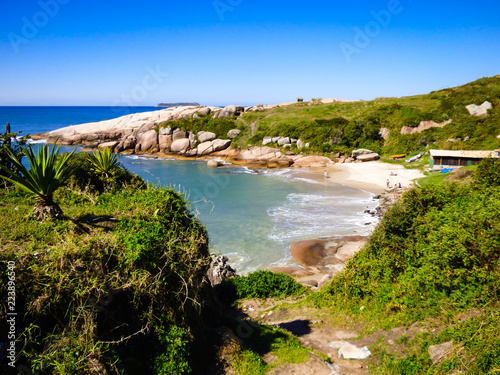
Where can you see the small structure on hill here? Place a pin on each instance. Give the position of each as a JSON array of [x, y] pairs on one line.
[[458, 158]]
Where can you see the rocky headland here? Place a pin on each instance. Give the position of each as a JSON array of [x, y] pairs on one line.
[[149, 133]]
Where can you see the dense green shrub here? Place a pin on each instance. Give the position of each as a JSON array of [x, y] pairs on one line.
[[438, 244], [173, 351], [87, 180], [115, 286], [262, 284], [488, 172]]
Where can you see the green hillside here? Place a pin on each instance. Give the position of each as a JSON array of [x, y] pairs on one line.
[[341, 127]]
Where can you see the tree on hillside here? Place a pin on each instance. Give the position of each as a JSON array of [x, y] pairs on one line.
[[48, 171]]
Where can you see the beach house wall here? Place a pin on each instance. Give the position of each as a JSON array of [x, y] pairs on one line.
[[458, 158]]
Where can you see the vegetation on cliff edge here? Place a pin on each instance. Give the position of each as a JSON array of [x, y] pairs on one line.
[[114, 286], [434, 255]]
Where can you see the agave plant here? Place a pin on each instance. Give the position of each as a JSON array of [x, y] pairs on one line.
[[47, 173], [104, 160]]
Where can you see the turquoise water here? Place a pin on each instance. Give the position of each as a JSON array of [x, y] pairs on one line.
[[254, 218], [33, 120]]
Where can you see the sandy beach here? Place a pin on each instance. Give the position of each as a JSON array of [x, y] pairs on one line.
[[369, 176], [372, 176]]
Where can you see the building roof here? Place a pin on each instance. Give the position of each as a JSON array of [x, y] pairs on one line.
[[464, 154]]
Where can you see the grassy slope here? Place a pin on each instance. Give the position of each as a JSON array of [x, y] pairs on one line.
[[341, 127], [390, 113], [114, 286], [119, 284]]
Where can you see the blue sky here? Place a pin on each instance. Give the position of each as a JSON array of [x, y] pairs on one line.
[[219, 52]]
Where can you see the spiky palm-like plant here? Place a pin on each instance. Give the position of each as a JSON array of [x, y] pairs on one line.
[[104, 160], [48, 171]]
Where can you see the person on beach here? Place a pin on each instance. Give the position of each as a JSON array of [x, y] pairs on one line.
[[325, 174], [388, 184]]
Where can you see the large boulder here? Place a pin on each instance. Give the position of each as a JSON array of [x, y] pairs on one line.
[[180, 145], [233, 133], [147, 141], [179, 134], [313, 160], [368, 157], [165, 142], [267, 140], [308, 252], [279, 163], [219, 270], [129, 142], [191, 152], [479, 110], [205, 148], [204, 111], [165, 131], [284, 141], [221, 144], [329, 255], [359, 152], [214, 163], [111, 145], [228, 111], [206, 136]]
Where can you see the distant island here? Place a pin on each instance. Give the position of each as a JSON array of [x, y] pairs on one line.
[[177, 104]]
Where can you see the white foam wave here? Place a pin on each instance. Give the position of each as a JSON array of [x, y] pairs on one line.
[[242, 170], [132, 157], [33, 141], [317, 215]]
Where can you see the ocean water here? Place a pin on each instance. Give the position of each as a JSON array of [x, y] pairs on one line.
[[253, 218], [33, 120]]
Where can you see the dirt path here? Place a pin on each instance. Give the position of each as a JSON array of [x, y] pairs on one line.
[[316, 330]]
